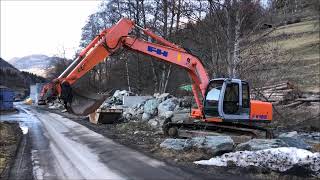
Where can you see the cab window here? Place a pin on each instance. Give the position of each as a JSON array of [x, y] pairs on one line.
[[211, 102], [231, 99]]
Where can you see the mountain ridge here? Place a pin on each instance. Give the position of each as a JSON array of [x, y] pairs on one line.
[[38, 64]]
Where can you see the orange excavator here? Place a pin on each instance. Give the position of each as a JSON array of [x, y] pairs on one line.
[[222, 103]]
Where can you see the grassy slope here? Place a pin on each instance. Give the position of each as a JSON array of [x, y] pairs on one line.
[[301, 41], [300, 59]]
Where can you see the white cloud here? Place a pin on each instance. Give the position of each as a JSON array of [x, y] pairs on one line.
[[42, 27]]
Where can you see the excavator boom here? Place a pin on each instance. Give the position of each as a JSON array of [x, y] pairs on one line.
[[114, 38]]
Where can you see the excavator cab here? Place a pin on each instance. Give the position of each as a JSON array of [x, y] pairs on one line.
[[229, 101]]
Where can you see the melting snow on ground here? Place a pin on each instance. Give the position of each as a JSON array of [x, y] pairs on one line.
[[278, 159]]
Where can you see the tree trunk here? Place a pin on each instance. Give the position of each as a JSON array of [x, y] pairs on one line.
[[236, 50], [167, 79], [165, 31], [153, 68], [155, 77], [178, 15], [228, 50], [127, 74], [106, 73]]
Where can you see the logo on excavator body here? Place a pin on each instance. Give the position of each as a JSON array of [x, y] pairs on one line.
[[158, 51], [259, 116]]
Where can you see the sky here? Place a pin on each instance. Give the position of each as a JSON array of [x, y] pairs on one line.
[[42, 27]]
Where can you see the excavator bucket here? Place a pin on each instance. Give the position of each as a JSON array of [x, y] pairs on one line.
[[85, 98], [85, 102]]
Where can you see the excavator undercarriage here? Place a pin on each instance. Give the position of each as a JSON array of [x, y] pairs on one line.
[[194, 129]]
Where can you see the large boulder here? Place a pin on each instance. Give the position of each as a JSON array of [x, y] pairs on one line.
[[150, 107], [295, 139], [215, 144], [167, 105], [260, 144], [296, 142], [176, 144], [292, 134], [310, 137]]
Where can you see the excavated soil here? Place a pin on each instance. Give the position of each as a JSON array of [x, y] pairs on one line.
[[143, 138]]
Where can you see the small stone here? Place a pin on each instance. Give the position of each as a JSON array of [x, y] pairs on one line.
[[163, 96], [139, 111], [156, 95], [128, 116], [146, 116], [153, 123]]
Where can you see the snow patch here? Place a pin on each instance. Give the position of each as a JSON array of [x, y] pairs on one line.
[[278, 159], [24, 129]]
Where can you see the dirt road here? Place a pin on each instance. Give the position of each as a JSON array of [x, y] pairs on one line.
[[63, 149]]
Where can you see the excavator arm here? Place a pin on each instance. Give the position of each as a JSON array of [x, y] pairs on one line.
[[175, 56], [111, 40]]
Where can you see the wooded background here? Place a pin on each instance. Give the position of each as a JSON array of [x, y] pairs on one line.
[[233, 38]]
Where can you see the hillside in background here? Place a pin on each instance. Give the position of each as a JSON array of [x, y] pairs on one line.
[[299, 59], [37, 64], [17, 80]]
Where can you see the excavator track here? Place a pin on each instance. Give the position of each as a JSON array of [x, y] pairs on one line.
[[190, 129]]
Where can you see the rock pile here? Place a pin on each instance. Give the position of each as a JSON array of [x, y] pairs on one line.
[[116, 99], [154, 110]]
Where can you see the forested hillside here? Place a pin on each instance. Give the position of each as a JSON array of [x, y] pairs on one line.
[[17, 80], [263, 42]]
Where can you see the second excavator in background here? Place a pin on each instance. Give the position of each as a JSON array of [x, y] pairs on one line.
[[222, 103]]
